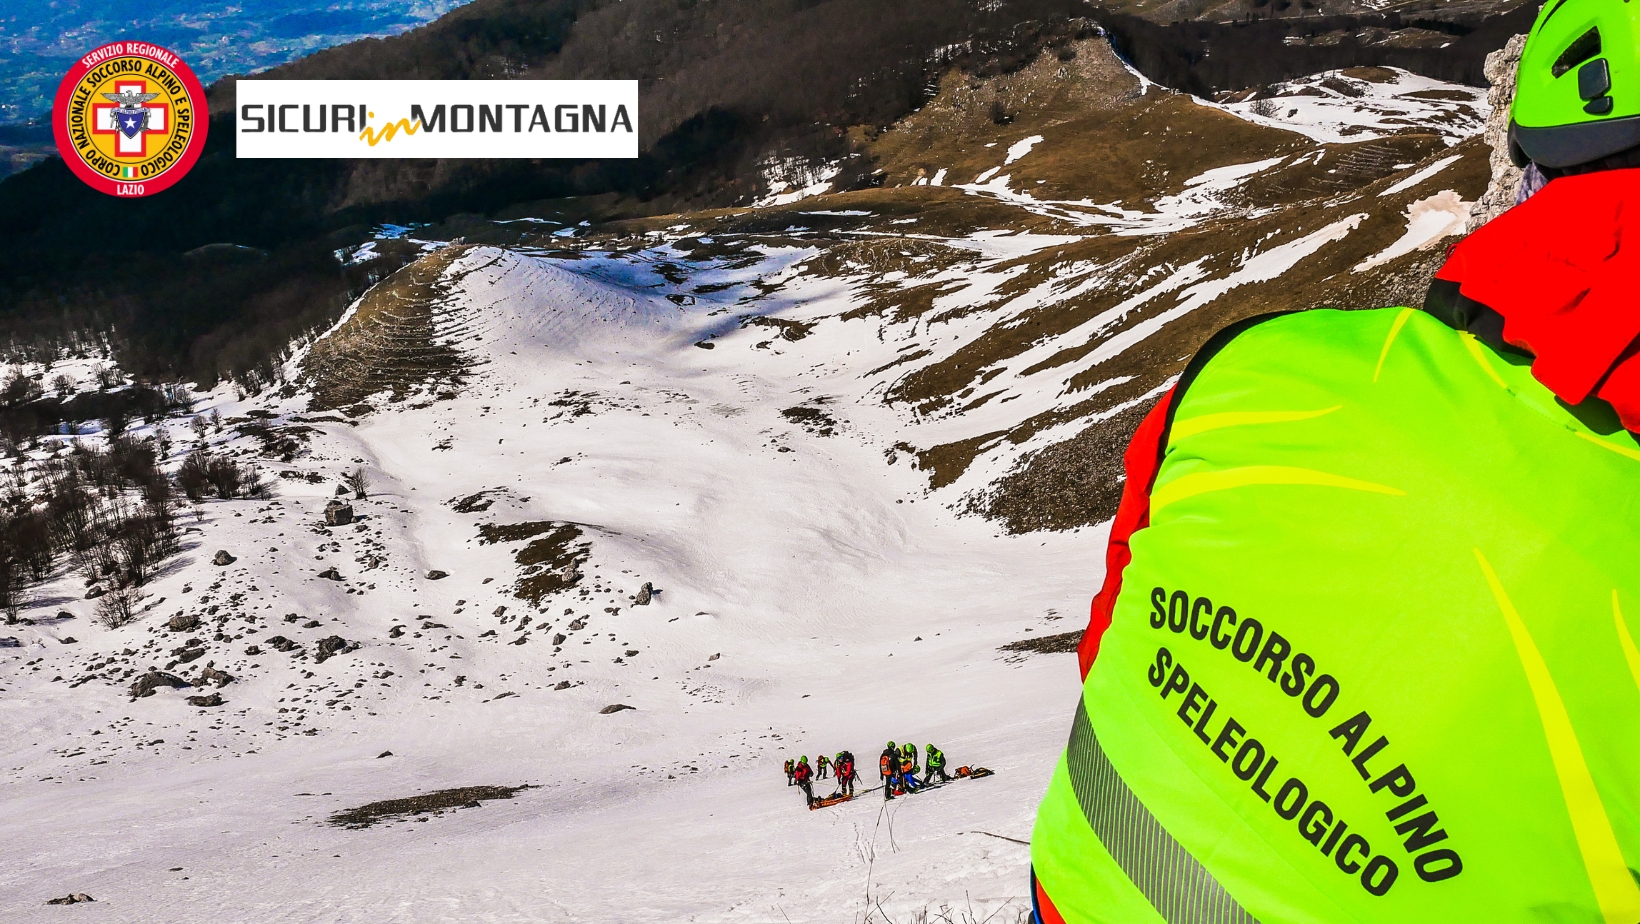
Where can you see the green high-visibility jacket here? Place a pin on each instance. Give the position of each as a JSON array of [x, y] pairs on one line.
[[1372, 659]]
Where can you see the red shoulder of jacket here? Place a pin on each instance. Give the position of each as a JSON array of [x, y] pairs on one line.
[[1141, 462]]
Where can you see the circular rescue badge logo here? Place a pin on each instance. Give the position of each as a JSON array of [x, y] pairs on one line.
[[130, 119]]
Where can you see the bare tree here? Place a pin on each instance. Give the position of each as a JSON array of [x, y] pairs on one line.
[[18, 388], [107, 376], [11, 579], [358, 482], [119, 606], [63, 386]]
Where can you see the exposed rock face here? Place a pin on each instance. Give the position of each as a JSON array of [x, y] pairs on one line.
[[645, 592], [437, 575], [333, 646], [1501, 66], [338, 513], [223, 558], [74, 899], [331, 574], [183, 623], [213, 699], [616, 707], [212, 675], [153, 680]]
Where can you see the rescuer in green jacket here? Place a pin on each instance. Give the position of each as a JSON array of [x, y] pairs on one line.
[[1364, 649], [935, 760]]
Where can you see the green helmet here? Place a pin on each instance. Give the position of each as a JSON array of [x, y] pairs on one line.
[[804, 759], [1577, 96], [891, 745]]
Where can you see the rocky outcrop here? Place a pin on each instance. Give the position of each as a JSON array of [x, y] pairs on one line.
[[1501, 66], [330, 647], [153, 680], [338, 513], [212, 675], [182, 623], [223, 558]]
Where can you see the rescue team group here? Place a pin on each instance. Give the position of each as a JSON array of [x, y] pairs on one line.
[[897, 766]]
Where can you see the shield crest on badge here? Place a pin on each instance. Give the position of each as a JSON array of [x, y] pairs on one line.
[[130, 112], [131, 122]]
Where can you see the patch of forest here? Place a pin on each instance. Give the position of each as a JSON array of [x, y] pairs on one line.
[[1205, 58]]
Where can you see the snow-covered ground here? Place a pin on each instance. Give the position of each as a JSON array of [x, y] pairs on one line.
[[1333, 107], [842, 606]]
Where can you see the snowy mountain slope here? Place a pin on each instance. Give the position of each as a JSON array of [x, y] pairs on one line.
[[1363, 103], [788, 554], [855, 442]]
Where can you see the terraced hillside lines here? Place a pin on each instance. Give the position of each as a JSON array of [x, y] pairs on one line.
[[399, 339]]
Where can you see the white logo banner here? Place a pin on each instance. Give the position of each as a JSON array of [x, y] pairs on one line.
[[437, 118]]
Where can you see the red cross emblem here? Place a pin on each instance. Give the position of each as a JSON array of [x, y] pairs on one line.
[[131, 118]]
